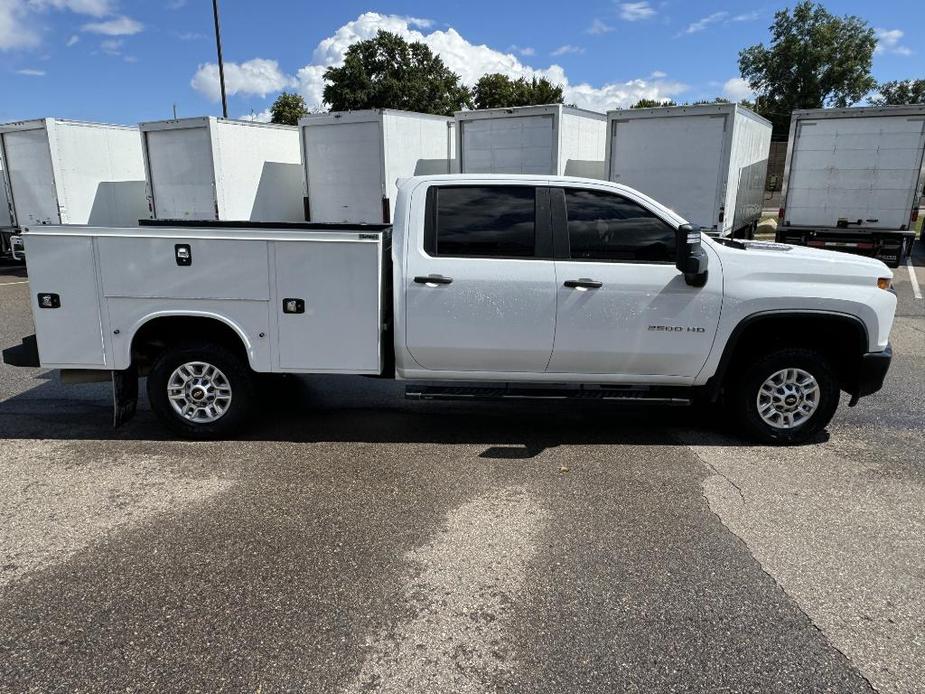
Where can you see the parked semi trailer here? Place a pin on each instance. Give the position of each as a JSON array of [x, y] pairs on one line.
[[222, 170], [555, 140], [707, 162], [6, 219], [353, 159], [486, 287], [852, 180], [69, 172]]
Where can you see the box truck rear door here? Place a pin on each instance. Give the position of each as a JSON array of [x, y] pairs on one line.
[[32, 179], [181, 173], [855, 169], [509, 145], [675, 160], [344, 171]]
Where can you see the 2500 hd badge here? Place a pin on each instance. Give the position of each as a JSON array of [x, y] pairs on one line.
[[675, 329]]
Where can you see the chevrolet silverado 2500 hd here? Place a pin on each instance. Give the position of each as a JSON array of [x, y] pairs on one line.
[[486, 286]]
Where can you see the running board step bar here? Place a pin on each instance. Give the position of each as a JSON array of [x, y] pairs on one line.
[[664, 396]]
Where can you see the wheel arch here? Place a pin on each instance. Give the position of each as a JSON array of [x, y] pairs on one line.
[[842, 336], [154, 332]]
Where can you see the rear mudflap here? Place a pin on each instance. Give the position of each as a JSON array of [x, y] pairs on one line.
[[124, 395]]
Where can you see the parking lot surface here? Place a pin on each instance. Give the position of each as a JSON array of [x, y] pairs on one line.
[[355, 541]]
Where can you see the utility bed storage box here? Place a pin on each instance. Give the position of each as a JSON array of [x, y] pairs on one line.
[[223, 170], [282, 302], [855, 167], [552, 140], [353, 160], [708, 162], [68, 172]]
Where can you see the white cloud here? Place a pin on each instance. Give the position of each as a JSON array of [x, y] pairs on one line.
[[635, 11], [30, 72], [566, 49], [72, 41], [112, 46], [255, 77], [119, 26], [94, 8], [175, 4], [265, 116], [704, 22], [521, 50], [888, 41], [470, 61], [189, 35], [15, 30], [657, 75], [737, 89], [747, 16], [599, 27]]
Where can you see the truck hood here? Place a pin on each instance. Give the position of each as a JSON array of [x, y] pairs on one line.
[[767, 257]]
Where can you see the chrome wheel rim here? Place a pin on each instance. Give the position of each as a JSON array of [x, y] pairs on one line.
[[199, 392], [788, 398]]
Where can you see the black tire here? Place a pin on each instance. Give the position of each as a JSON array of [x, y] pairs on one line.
[[746, 383], [236, 372]]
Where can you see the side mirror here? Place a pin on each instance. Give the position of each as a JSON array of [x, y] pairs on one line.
[[691, 258]]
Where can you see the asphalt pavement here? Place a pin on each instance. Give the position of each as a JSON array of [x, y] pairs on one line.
[[355, 541]]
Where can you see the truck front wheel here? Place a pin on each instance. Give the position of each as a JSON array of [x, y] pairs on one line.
[[786, 396], [201, 390]]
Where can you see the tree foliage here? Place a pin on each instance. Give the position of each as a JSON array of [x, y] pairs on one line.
[[900, 92], [653, 103], [500, 91], [814, 59], [388, 72], [287, 109]]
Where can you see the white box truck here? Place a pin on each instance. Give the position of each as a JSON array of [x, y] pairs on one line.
[[852, 180], [213, 169], [555, 140], [69, 172], [6, 219], [353, 160], [488, 286], [706, 162]]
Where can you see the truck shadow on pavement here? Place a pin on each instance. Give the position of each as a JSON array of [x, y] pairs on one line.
[[344, 409]]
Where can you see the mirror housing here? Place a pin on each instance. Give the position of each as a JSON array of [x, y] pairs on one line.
[[691, 259]]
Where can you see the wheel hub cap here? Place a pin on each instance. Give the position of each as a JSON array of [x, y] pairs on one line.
[[788, 398], [199, 392]]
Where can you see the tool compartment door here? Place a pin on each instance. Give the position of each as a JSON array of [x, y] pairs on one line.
[[338, 327], [70, 335]]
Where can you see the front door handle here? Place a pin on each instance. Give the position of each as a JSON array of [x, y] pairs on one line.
[[433, 279], [583, 283]]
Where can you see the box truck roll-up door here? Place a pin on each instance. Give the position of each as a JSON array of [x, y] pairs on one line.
[[32, 179], [181, 175], [344, 169], [516, 145], [676, 161], [855, 169]]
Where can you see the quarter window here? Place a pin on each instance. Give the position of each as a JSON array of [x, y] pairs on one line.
[[604, 226], [483, 221]]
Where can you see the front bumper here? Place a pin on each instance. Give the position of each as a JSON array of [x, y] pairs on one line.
[[872, 371], [26, 354]]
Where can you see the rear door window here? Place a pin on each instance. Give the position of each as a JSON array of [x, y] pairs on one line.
[[482, 221]]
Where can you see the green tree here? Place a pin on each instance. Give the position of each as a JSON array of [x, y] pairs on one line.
[[653, 103], [900, 92], [388, 72], [287, 109], [814, 59], [500, 91]]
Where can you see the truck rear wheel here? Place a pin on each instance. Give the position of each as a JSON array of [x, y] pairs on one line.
[[786, 396], [201, 390]]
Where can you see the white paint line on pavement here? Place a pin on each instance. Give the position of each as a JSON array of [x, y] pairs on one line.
[[7, 284], [916, 290]]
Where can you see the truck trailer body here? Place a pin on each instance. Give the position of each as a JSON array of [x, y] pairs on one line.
[[353, 160], [487, 286], [222, 170], [6, 219], [853, 178], [68, 172], [554, 140], [707, 162]]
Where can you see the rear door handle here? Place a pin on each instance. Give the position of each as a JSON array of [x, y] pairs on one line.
[[583, 283], [433, 279]]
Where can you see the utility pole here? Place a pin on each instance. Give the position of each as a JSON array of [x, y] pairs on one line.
[[221, 64]]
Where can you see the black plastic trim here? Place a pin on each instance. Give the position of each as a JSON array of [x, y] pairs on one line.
[[872, 371]]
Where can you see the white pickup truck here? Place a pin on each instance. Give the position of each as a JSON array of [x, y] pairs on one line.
[[485, 287]]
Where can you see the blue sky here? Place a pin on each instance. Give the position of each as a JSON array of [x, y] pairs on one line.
[[127, 61]]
